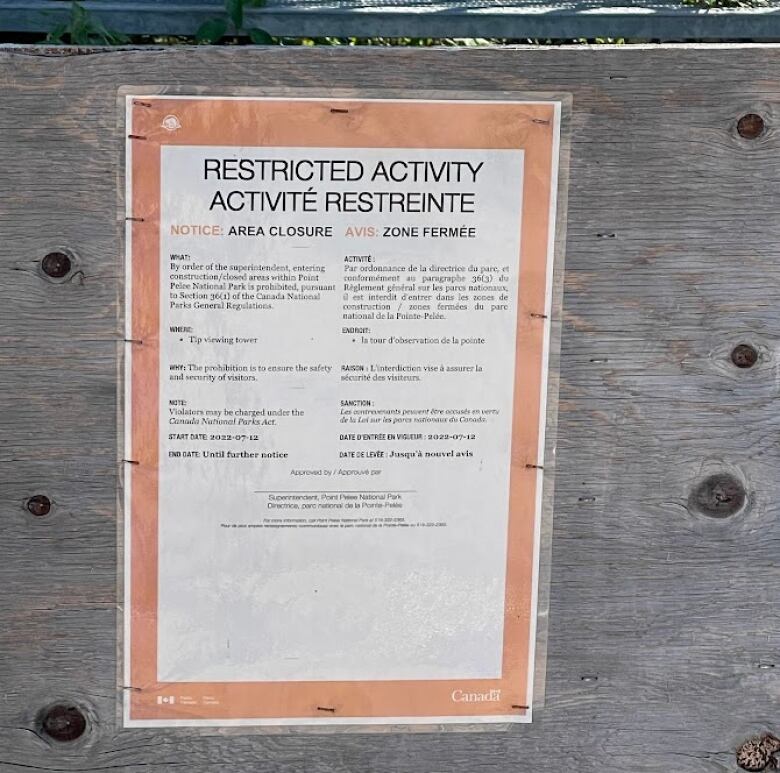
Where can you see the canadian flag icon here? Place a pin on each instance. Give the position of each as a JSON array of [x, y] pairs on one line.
[[166, 699]]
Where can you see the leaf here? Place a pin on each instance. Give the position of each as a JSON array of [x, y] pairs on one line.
[[235, 10], [108, 36], [79, 28], [260, 37], [55, 36], [211, 31], [78, 14], [118, 38]]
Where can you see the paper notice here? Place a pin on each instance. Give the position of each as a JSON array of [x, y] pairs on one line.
[[336, 403]]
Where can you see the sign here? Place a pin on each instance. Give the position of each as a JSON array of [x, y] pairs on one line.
[[338, 320]]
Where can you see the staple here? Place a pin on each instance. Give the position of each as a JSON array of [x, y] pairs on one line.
[[536, 315], [142, 104], [605, 235], [540, 120], [518, 706], [326, 708], [130, 687], [587, 499], [133, 341], [136, 137], [136, 219], [534, 467], [339, 110], [131, 461]]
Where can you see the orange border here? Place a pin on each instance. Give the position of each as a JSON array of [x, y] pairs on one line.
[[367, 124]]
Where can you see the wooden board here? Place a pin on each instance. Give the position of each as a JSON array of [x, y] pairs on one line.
[[663, 624], [650, 20]]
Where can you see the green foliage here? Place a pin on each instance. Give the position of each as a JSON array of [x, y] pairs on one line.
[[84, 29], [260, 37], [235, 10], [213, 30]]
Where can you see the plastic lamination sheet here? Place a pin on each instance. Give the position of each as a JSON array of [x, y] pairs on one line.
[[339, 317]]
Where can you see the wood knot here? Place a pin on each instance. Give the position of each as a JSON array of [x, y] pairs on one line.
[[751, 126], [63, 722], [39, 505], [758, 753], [744, 355], [718, 496], [56, 265]]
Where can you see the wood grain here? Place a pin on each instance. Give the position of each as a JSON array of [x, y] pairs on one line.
[[673, 257]]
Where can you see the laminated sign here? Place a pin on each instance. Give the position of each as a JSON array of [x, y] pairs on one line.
[[338, 324]]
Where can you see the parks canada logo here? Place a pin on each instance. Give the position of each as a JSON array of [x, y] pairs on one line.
[[460, 696]]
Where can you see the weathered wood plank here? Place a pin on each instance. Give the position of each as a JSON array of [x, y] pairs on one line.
[[672, 611], [664, 20]]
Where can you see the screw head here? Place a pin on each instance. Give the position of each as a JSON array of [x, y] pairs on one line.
[[751, 126], [744, 355], [56, 264], [718, 496], [39, 504], [63, 722]]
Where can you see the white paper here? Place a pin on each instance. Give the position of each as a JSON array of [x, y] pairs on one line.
[[365, 536]]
